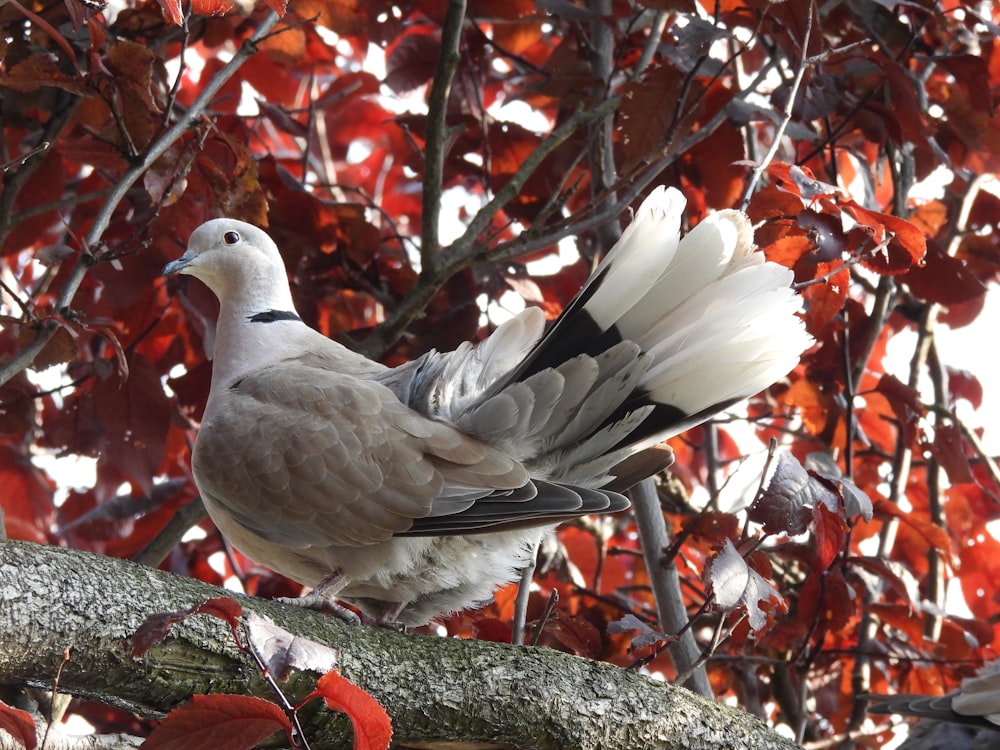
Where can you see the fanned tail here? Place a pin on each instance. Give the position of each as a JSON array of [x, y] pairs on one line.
[[666, 333]]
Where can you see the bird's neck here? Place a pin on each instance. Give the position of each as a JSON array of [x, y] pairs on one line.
[[250, 336]]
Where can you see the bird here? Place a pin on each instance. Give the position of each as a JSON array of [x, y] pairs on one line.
[[416, 491], [965, 718]]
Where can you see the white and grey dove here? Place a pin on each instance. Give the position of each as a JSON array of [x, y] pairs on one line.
[[416, 491]]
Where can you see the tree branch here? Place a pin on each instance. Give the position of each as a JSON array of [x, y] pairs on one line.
[[435, 689], [436, 138], [666, 585]]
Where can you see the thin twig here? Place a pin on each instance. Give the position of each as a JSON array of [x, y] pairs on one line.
[[603, 171], [20, 161], [550, 605], [758, 171]]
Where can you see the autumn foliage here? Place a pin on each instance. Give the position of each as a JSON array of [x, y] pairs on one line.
[[410, 189]]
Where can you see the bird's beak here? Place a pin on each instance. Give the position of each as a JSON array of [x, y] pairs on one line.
[[177, 266]]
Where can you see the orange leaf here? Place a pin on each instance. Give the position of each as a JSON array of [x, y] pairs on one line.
[[372, 726], [218, 722], [211, 7]]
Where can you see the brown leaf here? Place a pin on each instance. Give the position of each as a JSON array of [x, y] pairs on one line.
[[42, 70], [647, 112]]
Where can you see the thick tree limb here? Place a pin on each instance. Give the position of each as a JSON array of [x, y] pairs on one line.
[[436, 690]]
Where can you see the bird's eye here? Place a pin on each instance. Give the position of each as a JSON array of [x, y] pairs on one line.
[[231, 238]]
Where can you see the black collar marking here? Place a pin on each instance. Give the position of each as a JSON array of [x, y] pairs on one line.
[[269, 316]]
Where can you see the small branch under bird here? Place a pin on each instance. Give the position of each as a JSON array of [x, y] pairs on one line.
[[413, 492]]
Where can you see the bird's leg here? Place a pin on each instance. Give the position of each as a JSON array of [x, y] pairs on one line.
[[322, 597], [385, 614]]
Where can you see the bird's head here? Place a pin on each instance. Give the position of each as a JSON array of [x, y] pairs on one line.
[[233, 258]]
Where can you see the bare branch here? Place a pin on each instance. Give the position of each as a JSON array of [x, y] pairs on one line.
[[436, 139], [666, 584]]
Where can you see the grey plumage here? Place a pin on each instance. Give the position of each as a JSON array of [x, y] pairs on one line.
[[415, 491]]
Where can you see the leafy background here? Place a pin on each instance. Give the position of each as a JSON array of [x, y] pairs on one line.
[[121, 136]]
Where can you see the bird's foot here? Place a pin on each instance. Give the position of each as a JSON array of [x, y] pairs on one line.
[[321, 603], [321, 598]]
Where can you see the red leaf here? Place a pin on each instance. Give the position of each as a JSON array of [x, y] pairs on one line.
[[713, 526], [980, 565], [172, 10], [223, 608], [800, 181], [372, 726], [647, 110], [964, 384], [928, 534], [153, 630], [788, 251], [411, 63], [885, 575], [218, 722], [906, 247], [19, 725], [949, 449], [905, 403], [135, 415], [831, 530], [943, 278], [572, 634], [26, 497]]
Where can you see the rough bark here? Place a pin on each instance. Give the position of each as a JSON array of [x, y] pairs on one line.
[[439, 692]]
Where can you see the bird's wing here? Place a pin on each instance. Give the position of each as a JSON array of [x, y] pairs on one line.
[[306, 457]]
